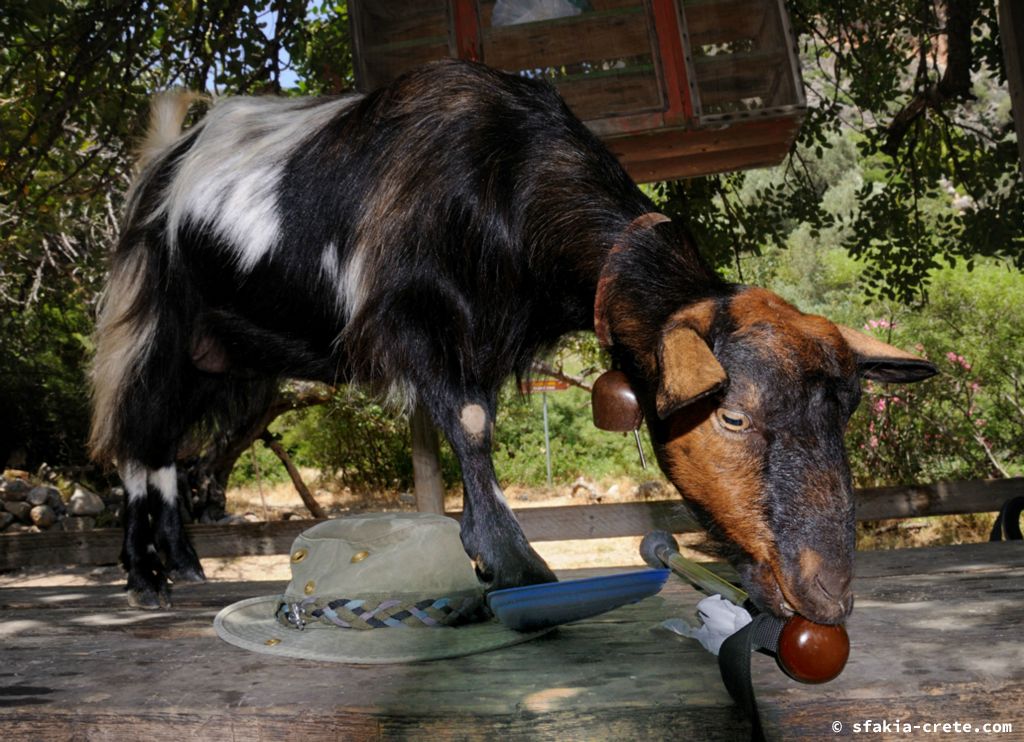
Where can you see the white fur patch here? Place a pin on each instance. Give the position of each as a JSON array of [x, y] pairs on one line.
[[474, 421], [166, 481], [332, 273], [133, 477], [228, 181], [500, 496], [355, 284]]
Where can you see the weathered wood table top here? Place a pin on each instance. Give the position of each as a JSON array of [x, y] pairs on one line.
[[936, 637]]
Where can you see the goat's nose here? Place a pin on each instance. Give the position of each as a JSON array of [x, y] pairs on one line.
[[834, 583]]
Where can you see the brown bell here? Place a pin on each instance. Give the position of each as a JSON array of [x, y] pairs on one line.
[[812, 652], [614, 404]]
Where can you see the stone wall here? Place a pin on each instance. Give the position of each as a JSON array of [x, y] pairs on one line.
[[32, 503]]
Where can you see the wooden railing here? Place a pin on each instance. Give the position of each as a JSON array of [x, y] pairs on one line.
[[566, 523]]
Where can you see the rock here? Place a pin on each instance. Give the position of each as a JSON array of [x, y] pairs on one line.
[[650, 490], [19, 528], [46, 495], [15, 490], [78, 523], [84, 502], [43, 516], [6, 519], [585, 486], [19, 510], [232, 520], [46, 473]]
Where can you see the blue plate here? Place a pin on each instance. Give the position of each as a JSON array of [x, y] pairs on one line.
[[553, 603]]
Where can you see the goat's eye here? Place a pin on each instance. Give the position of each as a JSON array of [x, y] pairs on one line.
[[733, 420]]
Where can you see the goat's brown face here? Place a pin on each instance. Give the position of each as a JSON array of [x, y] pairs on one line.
[[752, 402]]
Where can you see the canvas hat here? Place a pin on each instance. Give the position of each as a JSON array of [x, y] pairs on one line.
[[373, 589]]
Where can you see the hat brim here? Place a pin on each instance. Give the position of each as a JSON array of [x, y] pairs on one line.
[[250, 624]]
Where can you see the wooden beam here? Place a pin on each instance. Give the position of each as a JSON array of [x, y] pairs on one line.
[[740, 158], [940, 498], [671, 143], [564, 523]]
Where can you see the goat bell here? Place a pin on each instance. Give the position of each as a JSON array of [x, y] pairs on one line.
[[614, 404]]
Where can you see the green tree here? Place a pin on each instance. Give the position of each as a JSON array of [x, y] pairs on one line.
[[920, 89], [75, 81]]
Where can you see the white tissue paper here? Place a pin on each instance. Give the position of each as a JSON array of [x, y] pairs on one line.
[[720, 619]]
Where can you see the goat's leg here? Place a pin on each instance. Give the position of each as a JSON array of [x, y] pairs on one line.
[[147, 580], [180, 558], [491, 535]]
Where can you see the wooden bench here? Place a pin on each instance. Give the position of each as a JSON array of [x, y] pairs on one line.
[[935, 639]]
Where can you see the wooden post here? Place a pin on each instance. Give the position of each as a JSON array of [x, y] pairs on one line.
[[426, 463], [1011, 33]]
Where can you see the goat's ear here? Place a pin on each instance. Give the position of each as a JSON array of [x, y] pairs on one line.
[[687, 370], [883, 362]]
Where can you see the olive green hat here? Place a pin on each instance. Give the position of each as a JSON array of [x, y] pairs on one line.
[[372, 589]]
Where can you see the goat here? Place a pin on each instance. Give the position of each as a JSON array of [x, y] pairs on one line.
[[428, 241]]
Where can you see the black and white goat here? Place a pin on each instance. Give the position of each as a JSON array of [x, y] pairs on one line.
[[428, 240]]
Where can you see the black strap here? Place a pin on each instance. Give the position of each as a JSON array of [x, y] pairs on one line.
[[1007, 525], [762, 633]]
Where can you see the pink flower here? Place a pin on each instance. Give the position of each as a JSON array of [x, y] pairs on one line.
[[958, 360], [879, 324]]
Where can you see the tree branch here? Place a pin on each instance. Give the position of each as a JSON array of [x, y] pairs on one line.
[[307, 497], [556, 373]]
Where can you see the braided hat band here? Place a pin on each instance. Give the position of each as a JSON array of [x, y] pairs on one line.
[[380, 613]]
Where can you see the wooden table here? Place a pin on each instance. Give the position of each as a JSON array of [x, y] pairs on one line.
[[936, 637]]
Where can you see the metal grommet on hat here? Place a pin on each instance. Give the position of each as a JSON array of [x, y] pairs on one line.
[[418, 598]]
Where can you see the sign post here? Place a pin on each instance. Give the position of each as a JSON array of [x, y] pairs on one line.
[[543, 386], [547, 436]]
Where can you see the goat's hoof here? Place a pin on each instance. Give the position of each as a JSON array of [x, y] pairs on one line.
[[147, 600], [188, 574]]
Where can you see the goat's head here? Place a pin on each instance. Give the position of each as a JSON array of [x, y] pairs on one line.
[[747, 400]]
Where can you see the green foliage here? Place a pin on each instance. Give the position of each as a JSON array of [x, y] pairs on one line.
[[43, 358], [359, 443], [321, 51], [75, 82], [577, 447], [966, 423]]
